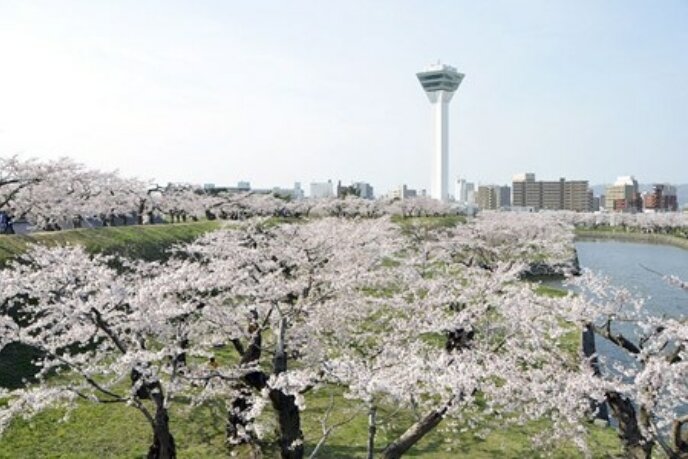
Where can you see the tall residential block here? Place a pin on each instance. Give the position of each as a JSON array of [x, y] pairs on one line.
[[440, 82], [550, 195]]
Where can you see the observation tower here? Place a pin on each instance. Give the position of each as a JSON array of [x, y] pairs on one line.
[[440, 82]]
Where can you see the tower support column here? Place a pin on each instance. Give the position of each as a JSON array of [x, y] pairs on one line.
[[440, 179]]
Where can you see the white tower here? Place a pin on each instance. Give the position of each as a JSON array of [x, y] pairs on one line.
[[440, 82]]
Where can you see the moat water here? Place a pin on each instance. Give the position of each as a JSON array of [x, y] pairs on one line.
[[639, 268]]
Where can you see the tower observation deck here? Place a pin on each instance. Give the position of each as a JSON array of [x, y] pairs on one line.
[[440, 82]]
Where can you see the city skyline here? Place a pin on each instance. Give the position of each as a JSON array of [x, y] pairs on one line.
[[222, 93]]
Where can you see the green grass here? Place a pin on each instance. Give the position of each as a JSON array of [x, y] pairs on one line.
[[146, 241], [552, 292], [431, 223], [120, 431]]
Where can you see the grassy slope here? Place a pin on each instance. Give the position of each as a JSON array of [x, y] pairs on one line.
[[120, 431], [146, 242], [611, 233]]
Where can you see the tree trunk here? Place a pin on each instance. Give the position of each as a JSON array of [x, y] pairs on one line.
[[589, 352], [372, 430], [678, 438], [289, 417], [291, 436], [163, 446], [634, 444], [414, 433], [237, 420]]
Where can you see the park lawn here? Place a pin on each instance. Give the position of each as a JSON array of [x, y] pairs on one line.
[[145, 241], [118, 431]]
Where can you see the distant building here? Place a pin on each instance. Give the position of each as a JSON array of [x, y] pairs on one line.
[[623, 195], [596, 200], [460, 190], [492, 197], [464, 192], [322, 189], [578, 196], [403, 192], [487, 199], [504, 197], [551, 195], [298, 191], [246, 186], [365, 190], [470, 194], [662, 198], [361, 189], [290, 193]]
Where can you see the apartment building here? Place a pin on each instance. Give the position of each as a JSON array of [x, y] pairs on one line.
[[550, 195]]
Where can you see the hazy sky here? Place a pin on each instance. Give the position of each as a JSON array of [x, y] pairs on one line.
[[284, 91]]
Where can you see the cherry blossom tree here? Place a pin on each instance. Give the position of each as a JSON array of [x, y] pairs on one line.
[[646, 389], [284, 280], [15, 176], [432, 319], [462, 336], [86, 316]]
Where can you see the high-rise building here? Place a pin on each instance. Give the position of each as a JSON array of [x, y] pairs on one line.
[[550, 195], [487, 197], [577, 196], [504, 197], [623, 195], [440, 82]]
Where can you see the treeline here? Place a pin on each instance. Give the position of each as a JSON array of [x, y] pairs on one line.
[[57, 194]]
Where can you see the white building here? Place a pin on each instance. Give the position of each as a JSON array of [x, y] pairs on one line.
[[465, 192], [322, 189]]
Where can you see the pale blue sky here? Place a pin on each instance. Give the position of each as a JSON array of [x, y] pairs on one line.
[[277, 92]]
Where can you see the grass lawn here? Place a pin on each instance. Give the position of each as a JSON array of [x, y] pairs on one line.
[[119, 431], [145, 241]]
